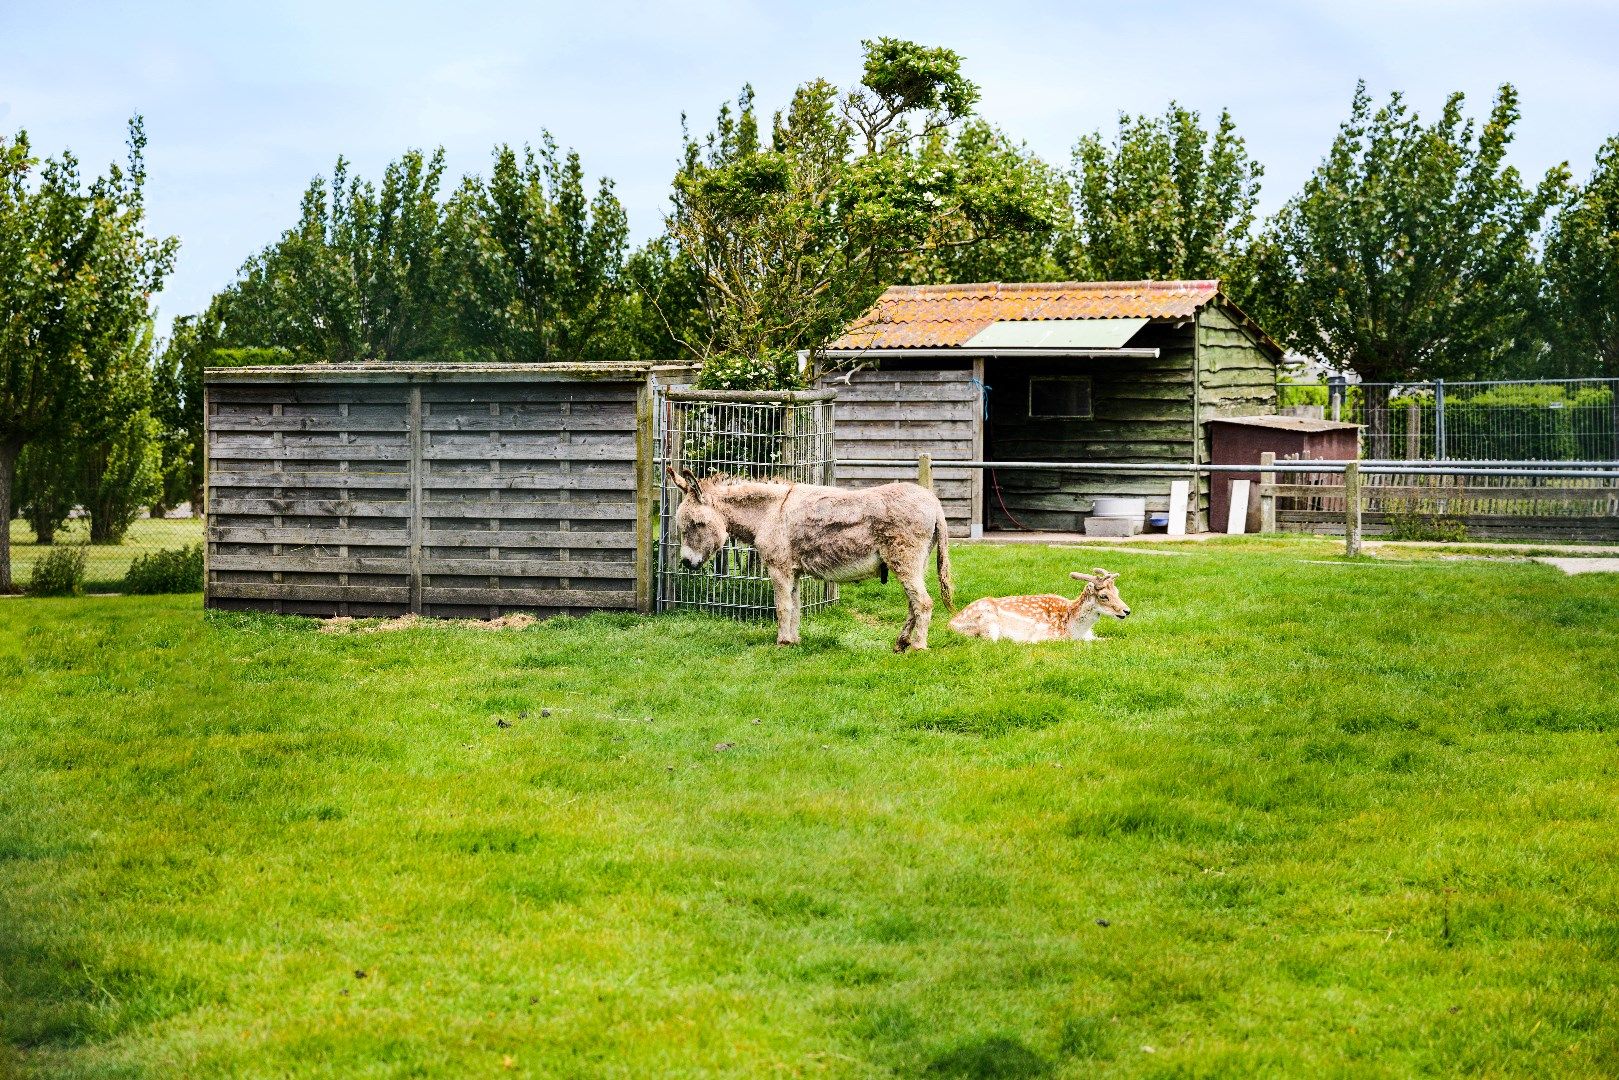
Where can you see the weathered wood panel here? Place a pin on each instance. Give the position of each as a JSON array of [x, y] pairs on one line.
[[898, 411], [431, 489]]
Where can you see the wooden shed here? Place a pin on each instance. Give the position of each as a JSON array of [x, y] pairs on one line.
[[448, 490], [1071, 371]]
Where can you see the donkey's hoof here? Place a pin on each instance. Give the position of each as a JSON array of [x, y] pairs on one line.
[[785, 641]]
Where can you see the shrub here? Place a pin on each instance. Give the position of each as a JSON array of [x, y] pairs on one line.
[[59, 573], [1415, 524], [173, 570]]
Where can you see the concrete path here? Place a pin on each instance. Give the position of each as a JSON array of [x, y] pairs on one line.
[[1581, 566]]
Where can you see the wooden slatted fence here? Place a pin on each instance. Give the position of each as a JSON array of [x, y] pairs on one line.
[[447, 490]]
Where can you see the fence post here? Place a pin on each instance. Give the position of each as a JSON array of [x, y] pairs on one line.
[[1352, 508], [1337, 385], [1413, 431], [1267, 493], [1439, 419], [924, 470]]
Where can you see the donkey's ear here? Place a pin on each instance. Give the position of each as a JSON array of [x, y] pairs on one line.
[[694, 486], [679, 483]]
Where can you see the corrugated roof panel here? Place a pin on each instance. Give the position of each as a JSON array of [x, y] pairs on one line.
[[1057, 334], [941, 316]]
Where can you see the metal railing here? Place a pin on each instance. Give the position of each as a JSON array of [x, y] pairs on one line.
[[1517, 490]]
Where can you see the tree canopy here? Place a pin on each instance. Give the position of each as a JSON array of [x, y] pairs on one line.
[[1582, 273], [77, 269], [1165, 200], [1409, 253], [788, 239]]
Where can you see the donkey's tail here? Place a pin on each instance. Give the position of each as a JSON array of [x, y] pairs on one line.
[[941, 539]]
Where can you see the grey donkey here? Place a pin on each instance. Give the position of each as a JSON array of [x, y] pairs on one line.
[[835, 534]]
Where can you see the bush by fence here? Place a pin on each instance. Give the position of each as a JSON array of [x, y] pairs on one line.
[[177, 570], [106, 565], [59, 573]]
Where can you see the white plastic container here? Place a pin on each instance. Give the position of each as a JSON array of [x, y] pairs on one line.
[[1119, 507]]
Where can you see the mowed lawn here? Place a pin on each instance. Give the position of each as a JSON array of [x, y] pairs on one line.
[[1297, 817]]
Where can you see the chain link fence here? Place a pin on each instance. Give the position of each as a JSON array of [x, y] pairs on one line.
[[70, 561], [1528, 420], [784, 435]]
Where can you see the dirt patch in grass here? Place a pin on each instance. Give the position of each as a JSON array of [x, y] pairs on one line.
[[344, 624]]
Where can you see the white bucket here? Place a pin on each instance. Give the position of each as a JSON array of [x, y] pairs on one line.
[[1117, 507]]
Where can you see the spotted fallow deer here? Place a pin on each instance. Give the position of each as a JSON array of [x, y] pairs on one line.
[[1044, 618]]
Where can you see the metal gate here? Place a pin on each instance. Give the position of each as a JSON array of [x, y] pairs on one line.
[[780, 434]]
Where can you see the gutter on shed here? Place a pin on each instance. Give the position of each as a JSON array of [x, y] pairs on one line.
[[945, 351], [390, 371]]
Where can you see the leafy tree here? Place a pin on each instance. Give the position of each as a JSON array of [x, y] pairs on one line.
[[76, 271], [361, 276], [788, 240], [120, 474], [1166, 200], [539, 263], [1408, 254], [1581, 267], [45, 489]]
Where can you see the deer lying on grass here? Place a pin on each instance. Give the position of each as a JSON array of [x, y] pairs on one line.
[[1044, 618], [835, 534]]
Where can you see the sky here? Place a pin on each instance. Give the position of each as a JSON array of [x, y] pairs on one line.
[[245, 103]]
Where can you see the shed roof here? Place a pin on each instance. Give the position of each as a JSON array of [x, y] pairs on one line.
[[945, 316], [1285, 423]]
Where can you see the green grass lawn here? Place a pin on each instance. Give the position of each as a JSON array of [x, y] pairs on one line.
[[106, 564], [1297, 816]]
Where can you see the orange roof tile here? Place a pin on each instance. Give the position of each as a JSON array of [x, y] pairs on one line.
[[941, 316]]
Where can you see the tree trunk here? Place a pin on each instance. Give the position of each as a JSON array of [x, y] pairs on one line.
[[8, 472], [1374, 403]]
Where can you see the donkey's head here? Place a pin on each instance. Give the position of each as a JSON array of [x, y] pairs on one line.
[[702, 528], [1104, 586]]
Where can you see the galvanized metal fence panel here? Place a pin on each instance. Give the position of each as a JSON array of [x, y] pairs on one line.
[[759, 435], [1536, 420]]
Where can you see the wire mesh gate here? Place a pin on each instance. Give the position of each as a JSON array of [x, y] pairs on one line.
[[760, 435]]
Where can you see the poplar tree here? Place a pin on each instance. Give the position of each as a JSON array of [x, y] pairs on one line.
[[77, 269]]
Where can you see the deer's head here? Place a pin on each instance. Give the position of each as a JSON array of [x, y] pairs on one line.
[[702, 528], [1104, 587]]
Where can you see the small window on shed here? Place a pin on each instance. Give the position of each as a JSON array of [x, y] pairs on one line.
[[1060, 397]]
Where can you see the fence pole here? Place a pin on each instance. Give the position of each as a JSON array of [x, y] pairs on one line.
[[924, 470], [1267, 494], [1337, 385], [1352, 508], [1439, 419]]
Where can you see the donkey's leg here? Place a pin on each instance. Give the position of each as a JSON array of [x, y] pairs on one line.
[[785, 584], [913, 576], [798, 604]]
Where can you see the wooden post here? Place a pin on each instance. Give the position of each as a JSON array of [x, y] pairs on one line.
[[980, 403], [1413, 432], [1267, 493], [416, 438], [646, 493], [1352, 508], [924, 470], [207, 518]]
